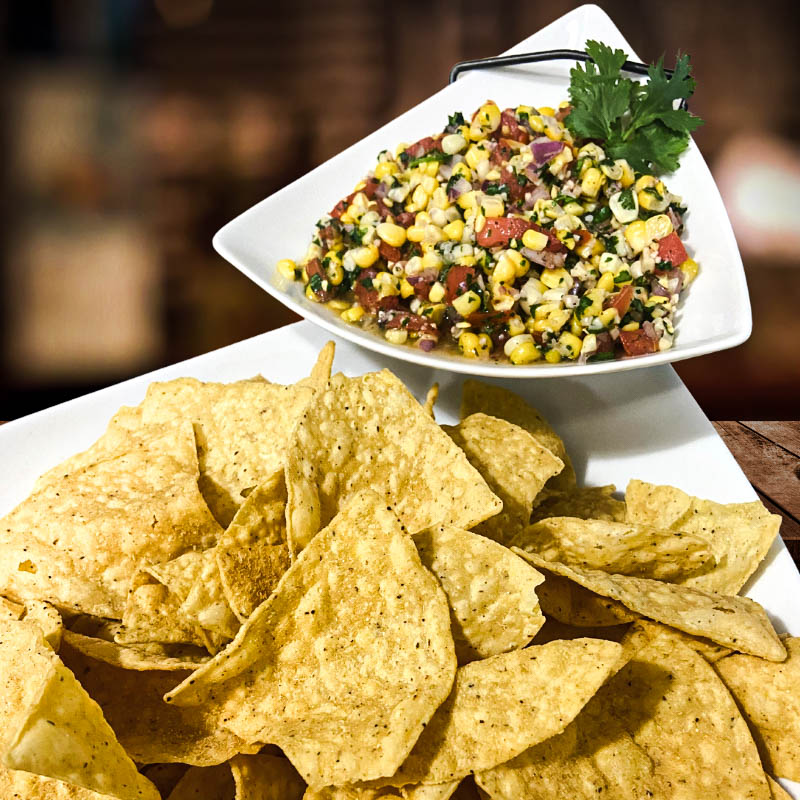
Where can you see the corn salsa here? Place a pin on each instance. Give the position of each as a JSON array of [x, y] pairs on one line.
[[508, 239]]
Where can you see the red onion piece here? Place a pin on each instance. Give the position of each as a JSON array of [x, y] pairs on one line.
[[426, 344], [458, 188], [544, 150]]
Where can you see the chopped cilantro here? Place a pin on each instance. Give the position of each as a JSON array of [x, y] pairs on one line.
[[434, 155], [583, 304], [366, 283], [315, 282], [455, 120], [607, 355], [626, 200], [496, 188], [623, 276]]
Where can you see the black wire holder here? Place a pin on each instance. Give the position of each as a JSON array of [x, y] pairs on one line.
[[515, 59]]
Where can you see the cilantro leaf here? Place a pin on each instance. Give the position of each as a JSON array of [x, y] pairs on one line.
[[635, 121]]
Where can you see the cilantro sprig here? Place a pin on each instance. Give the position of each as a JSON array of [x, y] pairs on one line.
[[635, 121]]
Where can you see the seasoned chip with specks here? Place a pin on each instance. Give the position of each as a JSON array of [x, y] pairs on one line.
[[266, 777], [584, 502]]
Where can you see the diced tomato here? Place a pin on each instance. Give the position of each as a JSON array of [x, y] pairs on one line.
[[413, 323], [424, 146], [388, 252], [341, 207], [637, 343], [500, 230], [584, 237], [516, 190], [621, 300], [371, 185], [314, 267], [502, 152], [457, 282], [511, 129], [671, 249], [405, 218], [368, 298]]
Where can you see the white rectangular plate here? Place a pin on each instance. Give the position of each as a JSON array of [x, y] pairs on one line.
[[715, 314], [644, 424]]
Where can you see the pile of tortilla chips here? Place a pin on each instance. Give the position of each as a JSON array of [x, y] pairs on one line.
[[249, 591]]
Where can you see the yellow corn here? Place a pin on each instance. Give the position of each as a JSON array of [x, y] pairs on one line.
[[649, 202], [469, 343], [436, 293], [454, 230], [472, 158], [467, 303], [627, 173], [521, 264], [415, 233], [429, 184], [453, 143], [430, 169], [346, 218], [396, 336], [435, 312], [353, 314], [338, 305], [547, 111], [406, 289], [486, 120], [552, 356], [591, 183], [558, 319], [515, 326], [439, 199], [631, 326], [505, 271], [394, 235], [553, 278], [309, 293], [365, 256], [432, 260], [492, 206], [535, 240], [335, 272], [575, 326], [655, 300], [658, 226], [636, 236], [525, 353], [571, 343], [385, 168], [608, 316], [485, 344], [544, 309], [467, 200], [419, 199], [286, 267], [645, 182], [606, 282], [386, 284], [573, 209], [689, 269]]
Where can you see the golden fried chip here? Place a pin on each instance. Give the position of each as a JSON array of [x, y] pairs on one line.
[[345, 663], [19, 785], [264, 777], [434, 791], [253, 553], [563, 600], [164, 776], [586, 502], [205, 783], [48, 619], [242, 430], [736, 622], [51, 726], [78, 541], [663, 727], [430, 400], [553, 630], [624, 548], [11, 610], [321, 371], [505, 704], [711, 651], [370, 433], [769, 697], [513, 464], [150, 730], [483, 397], [491, 591], [778, 792], [132, 657], [740, 534]]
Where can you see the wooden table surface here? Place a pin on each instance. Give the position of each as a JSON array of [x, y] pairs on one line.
[[769, 454]]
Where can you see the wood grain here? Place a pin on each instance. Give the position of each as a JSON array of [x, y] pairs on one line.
[[786, 434]]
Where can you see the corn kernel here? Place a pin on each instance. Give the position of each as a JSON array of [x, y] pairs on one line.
[[309, 293], [552, 356], [689, 269], [655, 300], [505, 271], [521, 264], [485, 344], [536, 123], [606, 282], [535, 240], [486, 120], [554, 278], [432, 260], [353, 314], [575, 326], [515, 326], [385, 168], [591, 183], [335, 272], [636, 236], [558, 319], [429, 184], [419, 198], [469, 343], [436, 293], [524, 353], [543, 310], [406, 289], [365, 256], [492, 206], [650, 202], [631, 326], [473, 157], [386, 284], [286, 267], [439, 199], [454, 230], [645, 182], [415, 233], [467, 303], [394, 235], [338, 305], [396, 336], [453, 143], [547, 111], [467, 200], [608, 317], [570, 343], [658, 226], [431, 168], [627, 173]]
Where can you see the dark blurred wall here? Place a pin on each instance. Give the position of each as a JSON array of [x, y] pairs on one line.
[[132, 130]]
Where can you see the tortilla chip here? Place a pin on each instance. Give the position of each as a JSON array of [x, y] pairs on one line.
[[483, 397], [347, 660], [370, 433], [571, 604], [205, 783], [711, 651], [48, 619], [438, 791], [51, 726], [19, 785], [253, 553], [242, 431], [553, 630], [736, 622], [164, 776], [624, 548], [78, 541], [740, 534], [11, 610], [491, 591], [136, 658], [585, 502], [321, 371], [663, 727], [430, 400], [769, 697], [778, 792], [150, 730], [505, 704], [513, 464], [266, 778], [152, 614]]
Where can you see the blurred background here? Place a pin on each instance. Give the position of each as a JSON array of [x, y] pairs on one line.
[[131, 130]]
